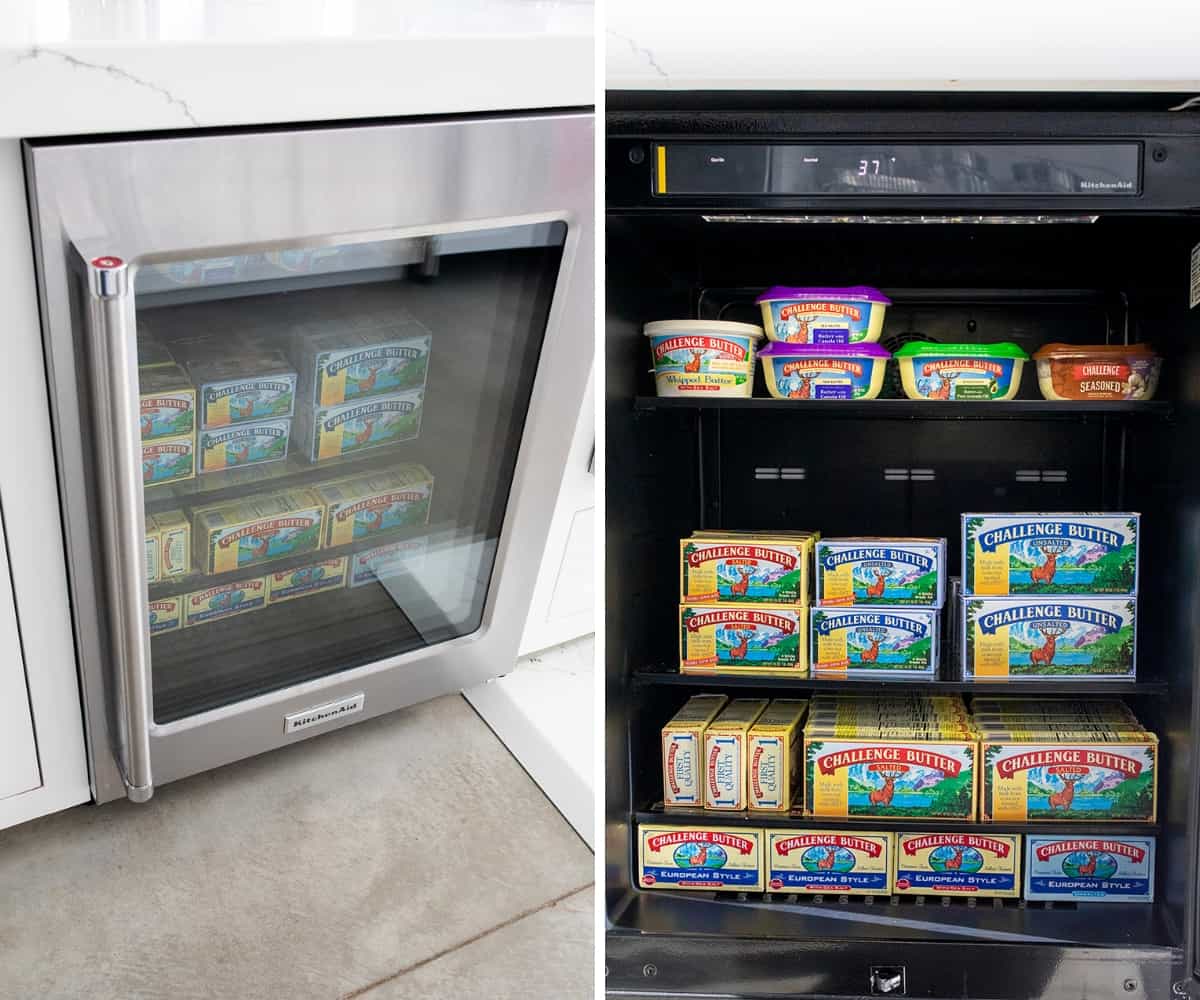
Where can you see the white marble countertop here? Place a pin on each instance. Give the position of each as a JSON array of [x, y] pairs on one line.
[[946, 45], [85, 66]]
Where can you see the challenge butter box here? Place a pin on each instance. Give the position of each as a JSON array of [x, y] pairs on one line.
[[166, 615], [242, 533], [339, 366], [244, 444], [168, 403], [968, 864], [744, 569], [725, 761], [1065, 637], [721, 638], [359, 508], [706, 858], [168, 460], [349, 428], [825, 861], [248, 385], [223, 601], [889, 572], [773, 756], [683, 749], [315, 578], [383, 562], [864, 641], [1072, 553], [1090, 869], [1086, 781]]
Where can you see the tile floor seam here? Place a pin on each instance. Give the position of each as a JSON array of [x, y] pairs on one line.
[[515, 919]]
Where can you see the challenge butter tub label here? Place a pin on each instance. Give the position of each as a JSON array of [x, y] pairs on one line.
[[969, 864], [740, 639], [886, 571], [1050, 554], [706, 858], [876, 639], [1094, 869], [820, 861]]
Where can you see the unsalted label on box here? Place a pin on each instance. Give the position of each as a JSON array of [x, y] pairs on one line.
[[706, 858]]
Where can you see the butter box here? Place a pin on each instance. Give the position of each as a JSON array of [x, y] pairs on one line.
[[315, 578], [349, 428], [1060, 637], [700, 857], [168, 402], [168, 460], [890, 572], [241, 533], [1070, 782], [364, 507], [718, 638], [242, 444], [244, 386], [339, 366], [889, 777], [1091, 869], [166, 615], [883, 641], [773, 756], [740, 569], [223, 601], [828, 862], [1073, 553], [168, 545], [683, 750], [382, 562], [957, 864], [725, 759]]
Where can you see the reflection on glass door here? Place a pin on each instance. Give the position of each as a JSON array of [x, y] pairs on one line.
[[328, 442]]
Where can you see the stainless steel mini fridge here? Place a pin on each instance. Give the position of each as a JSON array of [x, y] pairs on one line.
[[312, 390]]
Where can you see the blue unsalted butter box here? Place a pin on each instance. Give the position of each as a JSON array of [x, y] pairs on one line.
[[1095, 869]]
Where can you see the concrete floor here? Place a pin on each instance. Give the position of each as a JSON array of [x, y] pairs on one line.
[[405, 857]]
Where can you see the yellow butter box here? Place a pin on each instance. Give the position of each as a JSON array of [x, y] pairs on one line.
[[744, 569], [166, 615], [700, 857], [957, 864], [168, 545], [241, 533], [725, 754], [773, 756], [315, 578], [683, 750], [830, 862], [168, 460], [223, 601], [360, 508], [741, 639], [168, 402]]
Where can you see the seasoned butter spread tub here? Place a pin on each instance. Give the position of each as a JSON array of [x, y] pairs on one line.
[[823, 315], [699, 357], [823, 371], [1098, 371], [960, 371]]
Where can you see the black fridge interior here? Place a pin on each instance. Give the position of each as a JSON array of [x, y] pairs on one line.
[[1055, 220]]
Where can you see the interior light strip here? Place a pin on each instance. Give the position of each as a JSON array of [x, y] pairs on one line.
[[907, 220]]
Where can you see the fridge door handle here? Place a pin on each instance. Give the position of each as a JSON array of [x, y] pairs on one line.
[[113, 342]]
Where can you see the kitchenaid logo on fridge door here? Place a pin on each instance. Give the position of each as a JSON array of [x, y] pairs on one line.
[[1090, 185], [320, 714]]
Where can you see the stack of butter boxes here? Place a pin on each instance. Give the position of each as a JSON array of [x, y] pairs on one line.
[[362, 384], [1049, 596], [168, 415], [878, 607], [743, 602]]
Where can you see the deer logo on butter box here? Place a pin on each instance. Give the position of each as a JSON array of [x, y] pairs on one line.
[[957, 864], [1084, 781], [671, 857], [883, 778], [818, 861], [877, 639]]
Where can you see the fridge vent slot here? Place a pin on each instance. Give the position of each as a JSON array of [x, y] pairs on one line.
[[1041, 475], [786, 472], [909, 475]]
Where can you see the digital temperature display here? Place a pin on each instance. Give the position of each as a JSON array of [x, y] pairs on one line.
[[853, 169]]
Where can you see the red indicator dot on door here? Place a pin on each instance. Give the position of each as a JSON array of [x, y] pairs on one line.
[[107, 262]]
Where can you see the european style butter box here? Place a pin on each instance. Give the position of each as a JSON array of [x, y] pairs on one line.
[[1090, 869], [349, 428], [867, 641], [828, 862], [723, 638], [700, 857], [741, 569], [245, 386], [360, 508], [168, 460], [166, 615], [683, 750], [315, 578], [773, 756], [223, 601], [889, 572], [957, 864], [383, 562], [168, 403], [1066, 637], [243, 444], [1071, 553], [725, 761], [241, 533]]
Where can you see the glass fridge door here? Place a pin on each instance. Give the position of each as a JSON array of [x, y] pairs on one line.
[[329, 435]]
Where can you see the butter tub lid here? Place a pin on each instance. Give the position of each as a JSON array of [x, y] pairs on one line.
[[778, 349], [925, 348], [663, 327], [853, 293]]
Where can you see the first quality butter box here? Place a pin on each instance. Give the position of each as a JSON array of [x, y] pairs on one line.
[[825, 861], [700, 857], [1091, 869], [957, 864], [773, 756], [725, 754], [683, 750]]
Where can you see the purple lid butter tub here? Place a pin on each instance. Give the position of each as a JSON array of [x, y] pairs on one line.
[[851, 315], [823, 371]]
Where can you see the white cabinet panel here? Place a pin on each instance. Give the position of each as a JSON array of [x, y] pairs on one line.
[[18, 750]]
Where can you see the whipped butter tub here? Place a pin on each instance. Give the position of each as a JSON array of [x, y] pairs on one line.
[[823, 371], [695, 356], [823, 315], [960, 371]]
